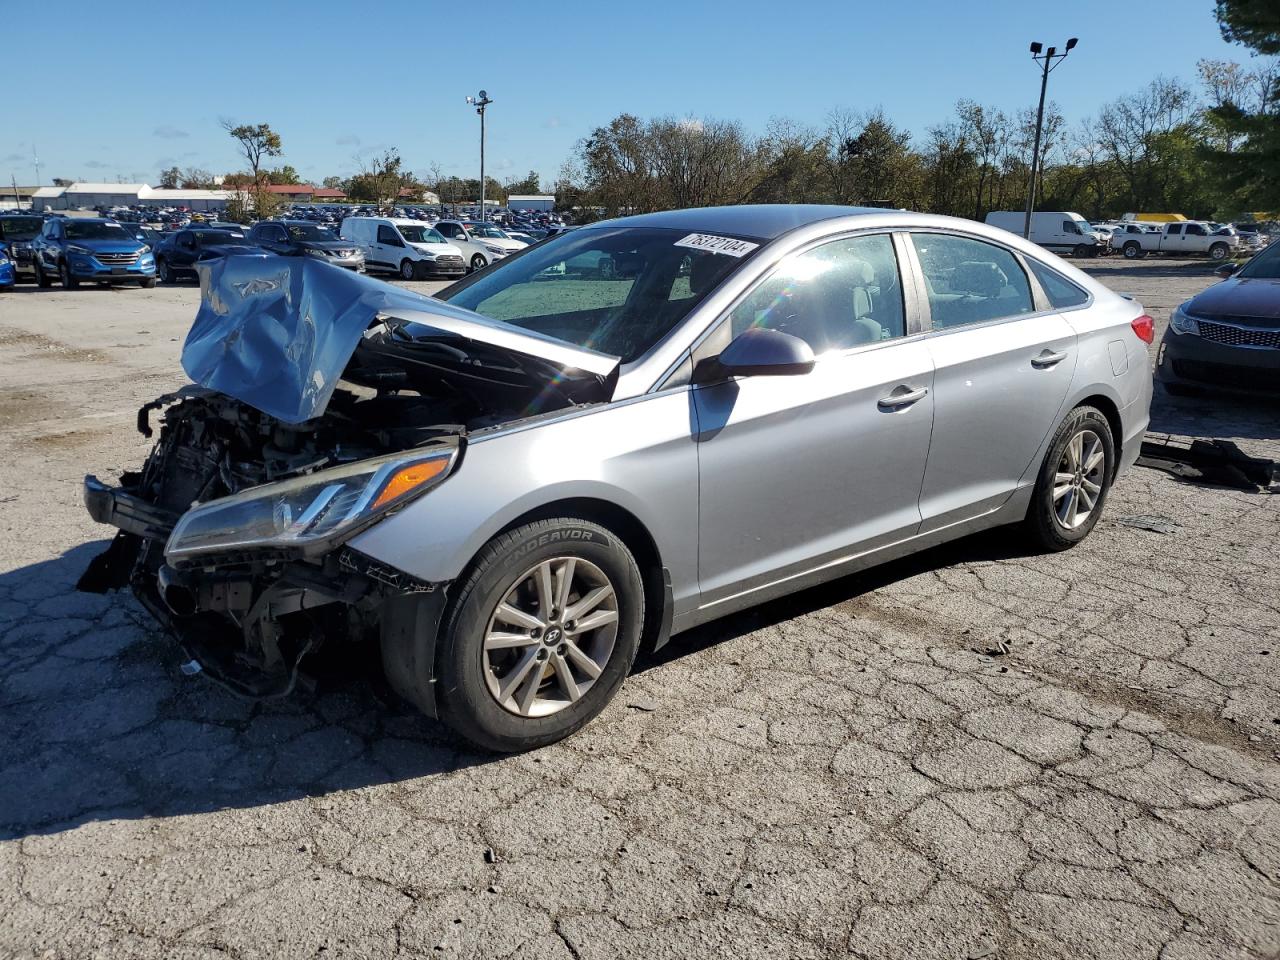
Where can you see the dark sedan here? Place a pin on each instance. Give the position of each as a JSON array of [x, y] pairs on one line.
[[302, 238], [1229, 336], [177, 253]]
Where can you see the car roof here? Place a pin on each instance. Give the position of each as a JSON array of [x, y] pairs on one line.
[[766, 221]]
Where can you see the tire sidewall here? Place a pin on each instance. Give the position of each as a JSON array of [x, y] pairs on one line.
[[1219, 247], [1041, 514], [407, 271], [1131, 250], [462, 694]]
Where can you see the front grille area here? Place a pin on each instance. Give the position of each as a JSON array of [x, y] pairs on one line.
[[1241, 336], [1228, 375], [449, 261], [116, 259]]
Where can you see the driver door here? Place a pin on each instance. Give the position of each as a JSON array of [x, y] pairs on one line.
[[800, 473]]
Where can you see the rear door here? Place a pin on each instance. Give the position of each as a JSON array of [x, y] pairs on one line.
[[1002, 367], [800, 473], [1172, 241]]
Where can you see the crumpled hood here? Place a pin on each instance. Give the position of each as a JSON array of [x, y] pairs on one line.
[[277, 332]]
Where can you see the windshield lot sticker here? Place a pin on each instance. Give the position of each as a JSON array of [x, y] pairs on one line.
[[711, 244]]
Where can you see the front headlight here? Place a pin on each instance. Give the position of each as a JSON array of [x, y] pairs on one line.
[[1183, 322], [76, 248], [145, 250], [315, 253], [498, 250], [318, 510]]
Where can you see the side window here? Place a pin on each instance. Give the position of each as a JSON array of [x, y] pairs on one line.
[[1060, 291], [1175, 230], [448, 230], [1068, 226], [387, 235], [836, 296], [970, 281], [1195, 230]]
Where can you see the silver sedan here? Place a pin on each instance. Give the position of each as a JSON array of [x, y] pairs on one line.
[[610, 438]]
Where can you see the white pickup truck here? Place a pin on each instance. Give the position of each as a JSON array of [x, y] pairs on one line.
[[1185, 237]]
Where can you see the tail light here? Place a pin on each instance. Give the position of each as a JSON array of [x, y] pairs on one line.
[[1144, 327]]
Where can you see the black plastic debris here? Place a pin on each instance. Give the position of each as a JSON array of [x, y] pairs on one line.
[[1218, 463]]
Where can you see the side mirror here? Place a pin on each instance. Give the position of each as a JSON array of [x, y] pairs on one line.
[[1226, 270], [762, 353]]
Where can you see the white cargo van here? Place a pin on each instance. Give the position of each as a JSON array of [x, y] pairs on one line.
[[409, 248], [1058, 230]]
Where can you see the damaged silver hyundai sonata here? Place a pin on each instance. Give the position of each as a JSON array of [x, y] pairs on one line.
[[611, 437]]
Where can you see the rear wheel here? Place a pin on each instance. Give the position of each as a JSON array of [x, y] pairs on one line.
[[1219, 251], [540, 635], [1074, 479]]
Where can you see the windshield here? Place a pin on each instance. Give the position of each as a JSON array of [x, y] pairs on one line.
[[308, 231], [219, 237], [615, 290], [414, 233], [486, 230], [96, 230], [1265, 266], [19, 228]]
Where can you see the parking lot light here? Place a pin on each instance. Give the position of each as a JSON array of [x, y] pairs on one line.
[[480, 101], [1051, 58]]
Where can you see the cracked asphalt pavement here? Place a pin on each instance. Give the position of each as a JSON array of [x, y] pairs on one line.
[[970, 753]]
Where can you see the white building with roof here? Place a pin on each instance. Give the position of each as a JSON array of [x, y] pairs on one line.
[[86, 196]]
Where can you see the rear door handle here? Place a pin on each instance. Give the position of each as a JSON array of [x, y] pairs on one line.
[[1046, 360], [895, 401]]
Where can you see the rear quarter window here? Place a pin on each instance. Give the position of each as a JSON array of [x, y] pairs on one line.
[[1061, 292]]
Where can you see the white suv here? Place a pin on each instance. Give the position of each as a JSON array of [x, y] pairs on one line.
[[480, 243], [409, 248]]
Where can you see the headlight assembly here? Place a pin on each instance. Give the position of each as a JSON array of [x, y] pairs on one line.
[[1182, 322], [76, 248], [308, 514]]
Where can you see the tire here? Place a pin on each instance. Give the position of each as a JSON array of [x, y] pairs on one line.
[[534, 712], [1132, 250], [64, 274], [478, 262], [408, 271], [148, 283], [164, 273], [42, 279], [1081, 251], [1051, 524], [1219, 251]]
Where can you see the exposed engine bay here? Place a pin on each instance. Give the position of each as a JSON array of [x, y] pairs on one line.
[[248, 609]]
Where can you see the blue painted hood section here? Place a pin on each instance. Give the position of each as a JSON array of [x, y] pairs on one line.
[[277, 332]]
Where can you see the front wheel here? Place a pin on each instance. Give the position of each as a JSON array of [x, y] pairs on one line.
[[407, 270], [148, 283], [1219, 251], [540, 635], [478, 262], [64, 273], [163, 272], [1073, 482], [1132, 250], [42, 278]]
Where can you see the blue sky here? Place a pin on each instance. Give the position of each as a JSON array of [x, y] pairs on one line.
[[126, 89]]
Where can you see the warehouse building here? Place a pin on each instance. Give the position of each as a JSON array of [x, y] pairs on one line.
[[86, 196], [533, 201]]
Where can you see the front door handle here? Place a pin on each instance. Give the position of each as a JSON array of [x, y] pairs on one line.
[[895, 401], [1047, 359]]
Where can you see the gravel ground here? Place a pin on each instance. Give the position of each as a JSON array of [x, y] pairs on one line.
[[971, 753]]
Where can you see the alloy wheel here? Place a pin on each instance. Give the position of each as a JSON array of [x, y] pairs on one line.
[[550, 637], [1077, 484]]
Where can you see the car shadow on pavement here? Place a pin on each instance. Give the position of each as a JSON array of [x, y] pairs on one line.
[[1145, 269], [97, 722], [1215, 414]]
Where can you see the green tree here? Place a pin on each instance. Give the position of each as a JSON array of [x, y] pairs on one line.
[[169, 179], [284, 175], [1249, 166], [257, 141]]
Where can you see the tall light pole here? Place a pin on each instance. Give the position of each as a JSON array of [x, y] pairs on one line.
[[1051, 58], [480, 102]]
